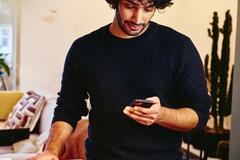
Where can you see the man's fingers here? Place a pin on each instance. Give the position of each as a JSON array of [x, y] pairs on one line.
[[144, 123], [154, 99], [141, 114], [137, 112], [140, 111], [147, 111], [138, 118]]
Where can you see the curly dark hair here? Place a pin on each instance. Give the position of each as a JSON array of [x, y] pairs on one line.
[[160, 4]]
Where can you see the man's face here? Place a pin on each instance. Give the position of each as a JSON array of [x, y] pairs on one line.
[[133, 16]]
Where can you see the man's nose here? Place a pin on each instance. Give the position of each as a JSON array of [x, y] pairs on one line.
[[137, 16]]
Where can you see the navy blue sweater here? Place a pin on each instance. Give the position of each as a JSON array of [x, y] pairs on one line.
[[112, 72]]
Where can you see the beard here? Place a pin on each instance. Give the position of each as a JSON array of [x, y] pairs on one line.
[[128, 27]]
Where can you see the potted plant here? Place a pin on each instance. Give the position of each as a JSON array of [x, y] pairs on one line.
[[221, 91], [218, 78], [4, 66]]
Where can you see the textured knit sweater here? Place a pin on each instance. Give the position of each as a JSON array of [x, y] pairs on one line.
[[112, 71]]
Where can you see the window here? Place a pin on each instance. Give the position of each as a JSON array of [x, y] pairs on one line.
[[7, 39], [5, 32], [4, 41]]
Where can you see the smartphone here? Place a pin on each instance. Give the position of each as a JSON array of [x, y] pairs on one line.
[[142, 103]]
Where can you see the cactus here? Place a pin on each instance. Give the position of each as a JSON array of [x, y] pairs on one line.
[[214, 65], [226, 31], [218, 76]]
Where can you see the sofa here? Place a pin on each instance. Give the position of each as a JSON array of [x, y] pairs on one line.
[[71, 148], [44, 126]]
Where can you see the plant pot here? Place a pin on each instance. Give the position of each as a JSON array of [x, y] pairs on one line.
[[212, 138], [207, 140]]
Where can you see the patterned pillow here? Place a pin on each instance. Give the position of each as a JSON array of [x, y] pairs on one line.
[[26, 112]]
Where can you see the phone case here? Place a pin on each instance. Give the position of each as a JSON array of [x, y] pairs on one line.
[[142, 103]]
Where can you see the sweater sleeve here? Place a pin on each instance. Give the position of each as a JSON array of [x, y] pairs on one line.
[[71, 104], [190, 83]]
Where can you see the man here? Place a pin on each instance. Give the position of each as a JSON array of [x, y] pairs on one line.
[[131, 58]]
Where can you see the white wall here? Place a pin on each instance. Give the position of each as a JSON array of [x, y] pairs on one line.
[[47, 30], [48, 27]]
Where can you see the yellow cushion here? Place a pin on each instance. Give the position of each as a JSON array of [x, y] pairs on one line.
[[7, 101]]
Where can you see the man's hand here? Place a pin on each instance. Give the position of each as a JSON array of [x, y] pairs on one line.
[[145, 116], [182, 119], [59, 133], [46, 155]]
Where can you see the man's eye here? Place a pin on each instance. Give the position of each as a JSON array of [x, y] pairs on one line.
[[129, 6], [149, 9]]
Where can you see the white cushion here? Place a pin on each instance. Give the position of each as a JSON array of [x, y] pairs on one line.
[[47, 115]]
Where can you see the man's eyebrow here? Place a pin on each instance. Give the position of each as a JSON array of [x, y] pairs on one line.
[[135, 2], [131, 1], [148, 3]]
